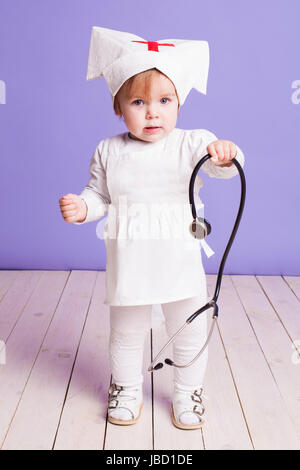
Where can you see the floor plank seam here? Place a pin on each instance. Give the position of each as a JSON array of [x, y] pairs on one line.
[[236, 389], [9, 286], [290, 287], [257, 340], [152, 389], [24, 306], [275, 311], [74, 362], [106, 422], [203, 440], [294, 343], [67, 388]]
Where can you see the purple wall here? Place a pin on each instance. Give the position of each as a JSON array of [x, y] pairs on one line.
[[51, 120]]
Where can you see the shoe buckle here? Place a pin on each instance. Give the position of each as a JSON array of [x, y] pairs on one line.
[[196, 395], [115, 388], [196, 410], [114, 404]]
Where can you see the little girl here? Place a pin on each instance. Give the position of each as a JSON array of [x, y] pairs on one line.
[[141, 179]]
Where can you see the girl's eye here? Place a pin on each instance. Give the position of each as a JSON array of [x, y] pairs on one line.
[[164, 100], [137, 102]]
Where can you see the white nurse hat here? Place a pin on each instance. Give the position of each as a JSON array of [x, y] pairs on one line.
[[118, 56]]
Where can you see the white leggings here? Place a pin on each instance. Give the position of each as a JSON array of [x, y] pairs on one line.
[[129, 326]]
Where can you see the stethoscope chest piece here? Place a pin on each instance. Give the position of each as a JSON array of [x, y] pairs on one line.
[[200, 228]]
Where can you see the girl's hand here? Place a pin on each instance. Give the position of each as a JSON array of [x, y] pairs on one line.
[[73, 208], [222, 151]]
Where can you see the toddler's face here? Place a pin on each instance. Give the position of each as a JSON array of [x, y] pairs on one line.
[[153, 117]]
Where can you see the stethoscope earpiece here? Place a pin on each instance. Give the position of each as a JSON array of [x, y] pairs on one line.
[[200, 228]]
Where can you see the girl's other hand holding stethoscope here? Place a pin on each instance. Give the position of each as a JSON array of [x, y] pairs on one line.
[[73, 208], [222, 151]]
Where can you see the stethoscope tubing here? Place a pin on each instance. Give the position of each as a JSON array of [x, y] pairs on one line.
[[213, 302], [238, 218]]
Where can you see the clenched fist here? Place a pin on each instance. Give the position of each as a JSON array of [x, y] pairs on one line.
[[73, 208], [222, 151]]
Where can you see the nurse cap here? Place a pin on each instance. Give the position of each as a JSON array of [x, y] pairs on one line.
[[118, 56]]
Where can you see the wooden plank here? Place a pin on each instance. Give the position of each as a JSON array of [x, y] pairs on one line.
[[285, 303], [225, 427], [294, 284], [36, 420], [265, 411], [274, 342], [83, 422], [13, 303], [6, 279], [139, 435], [24, 343], [166, 435]]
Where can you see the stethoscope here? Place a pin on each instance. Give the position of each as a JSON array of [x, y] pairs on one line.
[[201, 228]]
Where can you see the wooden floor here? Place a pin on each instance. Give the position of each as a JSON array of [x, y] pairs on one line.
[[55, 376]]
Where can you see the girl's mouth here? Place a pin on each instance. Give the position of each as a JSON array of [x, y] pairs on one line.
[[152, 130]]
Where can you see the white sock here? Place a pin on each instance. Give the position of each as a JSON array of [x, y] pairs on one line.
[[189, 418]]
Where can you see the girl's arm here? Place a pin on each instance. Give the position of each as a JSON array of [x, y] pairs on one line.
[[200, 140], [95, 194]]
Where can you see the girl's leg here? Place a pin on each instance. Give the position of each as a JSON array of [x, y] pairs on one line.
[[187, 408], [128, 328], [188, 343]]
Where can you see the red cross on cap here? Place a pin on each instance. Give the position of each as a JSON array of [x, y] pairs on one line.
[[153, 46]]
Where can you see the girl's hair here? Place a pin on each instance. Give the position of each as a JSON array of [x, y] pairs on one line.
[[138, 81]]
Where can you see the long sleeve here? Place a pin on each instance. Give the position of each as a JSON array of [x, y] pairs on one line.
[[95, 193], [199, 140]]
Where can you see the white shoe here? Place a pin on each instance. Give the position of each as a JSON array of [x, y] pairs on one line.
[[187, 408], [124, 404]]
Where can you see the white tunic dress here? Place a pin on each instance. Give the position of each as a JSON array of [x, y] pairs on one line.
[[151, 256]]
